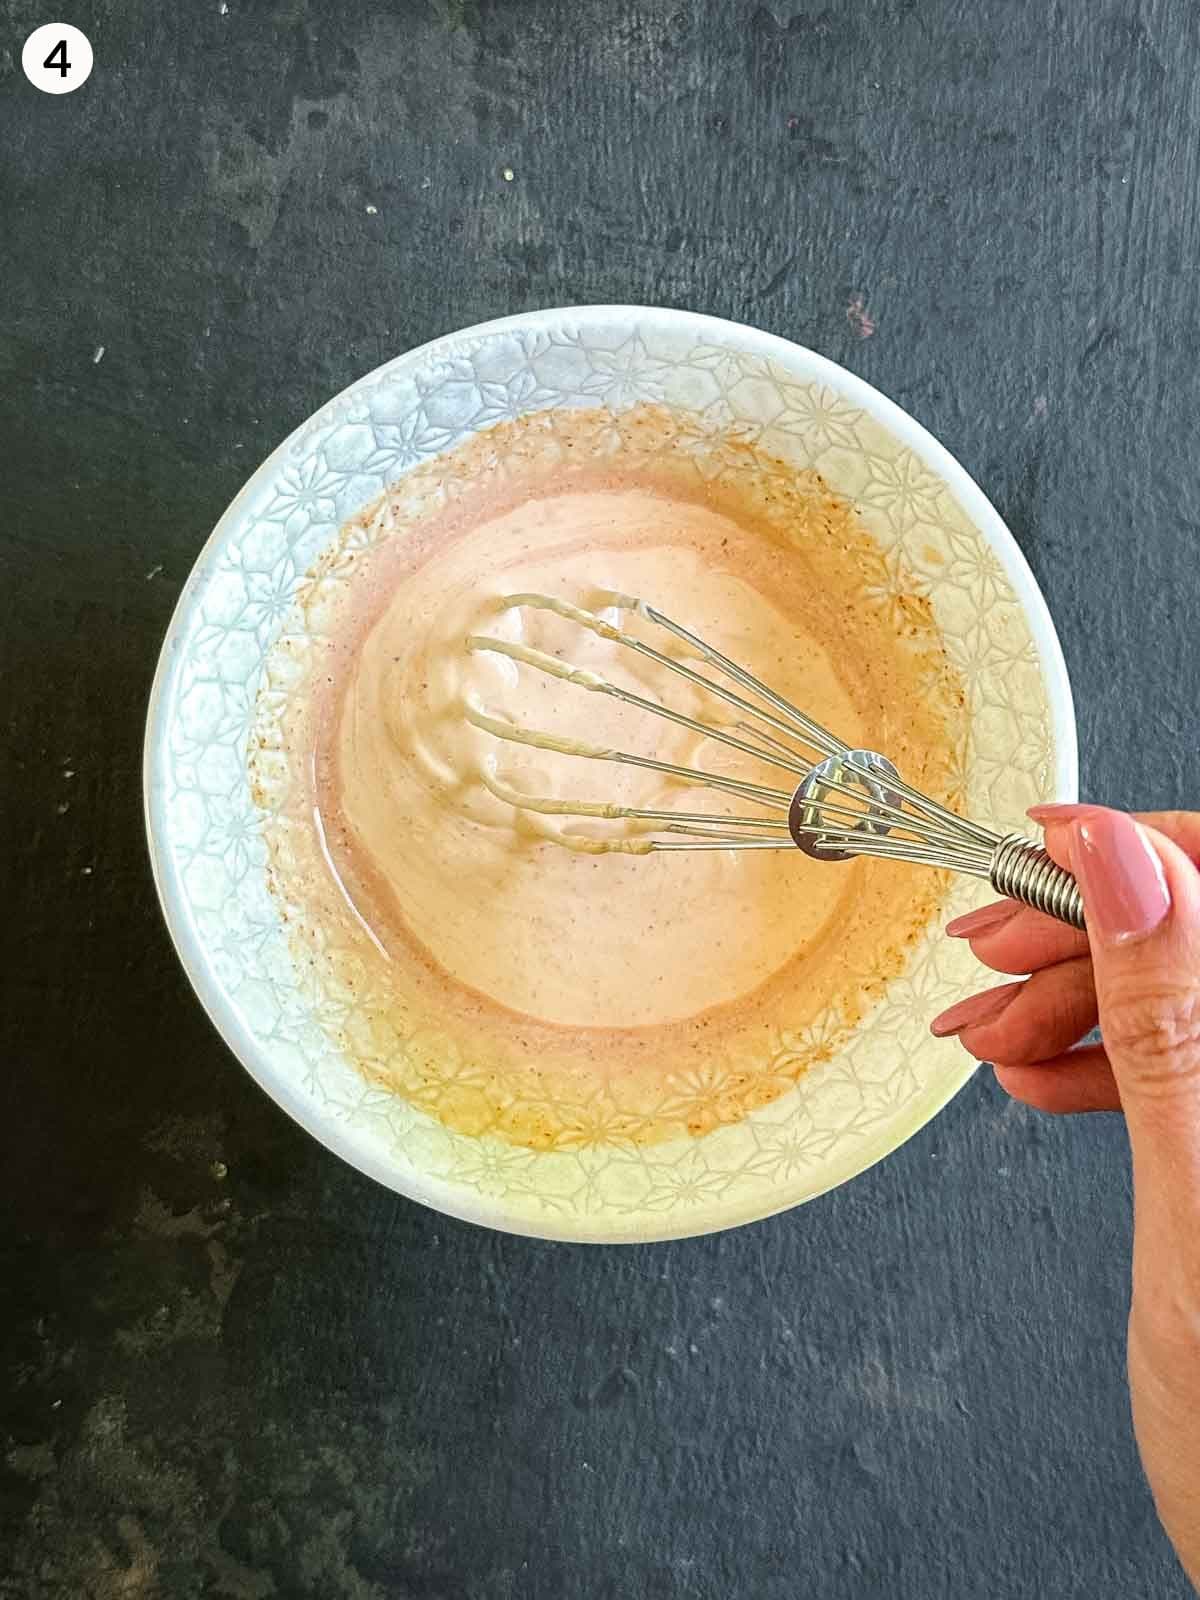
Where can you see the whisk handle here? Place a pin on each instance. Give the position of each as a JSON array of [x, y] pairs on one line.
[[1021, 870]]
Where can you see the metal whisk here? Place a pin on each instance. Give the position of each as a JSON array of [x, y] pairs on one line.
[[840, 803]]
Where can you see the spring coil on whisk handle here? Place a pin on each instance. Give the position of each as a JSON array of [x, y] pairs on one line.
[[1021, 870]]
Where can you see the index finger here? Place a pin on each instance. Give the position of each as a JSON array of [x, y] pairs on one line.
[[1009, 937]]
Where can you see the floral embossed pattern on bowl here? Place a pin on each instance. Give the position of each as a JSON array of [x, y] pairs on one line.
[[206, 832]]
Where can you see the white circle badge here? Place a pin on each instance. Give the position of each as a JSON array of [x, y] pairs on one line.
[[57, 58]]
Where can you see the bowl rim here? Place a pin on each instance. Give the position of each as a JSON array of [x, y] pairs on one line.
[[255, 1059]]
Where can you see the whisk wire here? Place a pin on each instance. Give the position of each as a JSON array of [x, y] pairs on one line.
[[792, 721], [510, 731], [820, 738]]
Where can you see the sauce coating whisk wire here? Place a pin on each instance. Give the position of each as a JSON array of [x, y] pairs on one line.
[[840, 802]]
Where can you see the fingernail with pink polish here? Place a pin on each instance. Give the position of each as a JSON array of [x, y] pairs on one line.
[[986, 920], [979, 1008], [1124, 886], [1061, 813]]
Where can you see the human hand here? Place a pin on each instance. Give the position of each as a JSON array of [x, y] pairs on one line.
[[1137, 973]]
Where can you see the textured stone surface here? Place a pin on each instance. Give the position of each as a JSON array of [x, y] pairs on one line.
[[234, 1367]]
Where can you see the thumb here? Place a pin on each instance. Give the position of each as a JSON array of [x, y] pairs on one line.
[[1141, 895]]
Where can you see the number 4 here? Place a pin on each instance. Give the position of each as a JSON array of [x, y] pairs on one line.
[[58, 58]]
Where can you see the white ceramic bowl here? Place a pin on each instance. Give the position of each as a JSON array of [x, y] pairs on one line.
[[205, 834]]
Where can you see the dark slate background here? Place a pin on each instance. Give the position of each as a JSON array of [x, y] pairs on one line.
[[234, 1367]]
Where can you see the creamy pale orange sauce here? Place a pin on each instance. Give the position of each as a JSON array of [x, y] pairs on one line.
[[560, 995]]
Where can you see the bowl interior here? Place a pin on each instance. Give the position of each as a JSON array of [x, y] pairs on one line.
[[933, 525]]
